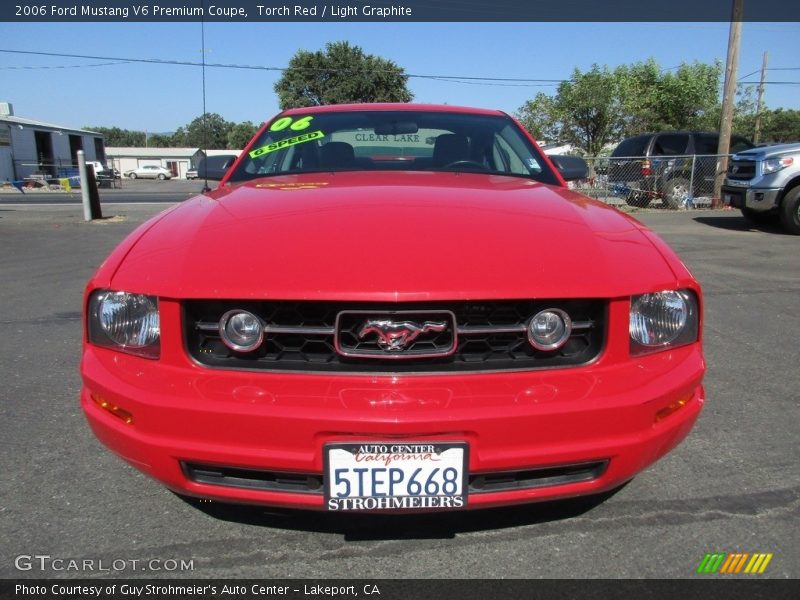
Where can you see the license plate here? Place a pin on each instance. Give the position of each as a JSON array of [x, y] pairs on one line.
[[395, 476]]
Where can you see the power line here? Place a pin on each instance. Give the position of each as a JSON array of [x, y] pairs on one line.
[[461, 79], [187, 63], [771, 82], [457, 80], [35, 67]]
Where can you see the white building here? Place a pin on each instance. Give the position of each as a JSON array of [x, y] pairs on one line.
[[177, 160], [29, 147]]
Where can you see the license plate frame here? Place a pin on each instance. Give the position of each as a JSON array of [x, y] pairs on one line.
[[388, 470]]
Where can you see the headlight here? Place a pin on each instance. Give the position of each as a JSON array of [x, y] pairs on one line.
[[663, 320], [126, 322], [771, 165]]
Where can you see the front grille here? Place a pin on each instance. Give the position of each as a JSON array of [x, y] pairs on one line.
[[741, 169], [545, 477], [310, 483], [253, 479], [302, 336]]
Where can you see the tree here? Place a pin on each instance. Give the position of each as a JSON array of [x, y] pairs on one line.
[[341, 74], [638, 86], [589, 109], [539, 117], [781, 125], [653, 99], [585, 111], [159, 140], [211, 132], [687, 95], [240, 134], [600, 106], [114, 136]]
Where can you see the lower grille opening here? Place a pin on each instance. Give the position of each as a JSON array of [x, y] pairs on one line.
[[253, 479], [310, 483], [532, 478]]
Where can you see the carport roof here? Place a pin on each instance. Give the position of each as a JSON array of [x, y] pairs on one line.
[[119, 151], [41, 124]]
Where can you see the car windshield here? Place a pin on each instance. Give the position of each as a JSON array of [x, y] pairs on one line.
[[393, 140]]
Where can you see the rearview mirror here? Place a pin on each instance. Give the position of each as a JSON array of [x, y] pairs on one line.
[[396, 128]]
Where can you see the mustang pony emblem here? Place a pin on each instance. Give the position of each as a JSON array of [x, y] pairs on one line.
[[395, 336]]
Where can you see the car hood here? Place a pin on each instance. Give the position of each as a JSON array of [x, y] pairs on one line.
[[393, 236], [762, 152]]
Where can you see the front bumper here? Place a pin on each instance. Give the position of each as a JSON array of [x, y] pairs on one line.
[[182, 413], [757, 199]]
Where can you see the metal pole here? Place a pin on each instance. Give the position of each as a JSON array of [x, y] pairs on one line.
[[760, 102], [87, 206], [728, 98], [690, 199]]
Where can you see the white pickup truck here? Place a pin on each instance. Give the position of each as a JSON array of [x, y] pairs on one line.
[[764, 183]]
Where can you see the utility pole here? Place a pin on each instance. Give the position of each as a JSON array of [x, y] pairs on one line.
[[760, 103], [728, 96]]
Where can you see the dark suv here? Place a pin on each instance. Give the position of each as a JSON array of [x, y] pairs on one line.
[[671, 165], [215, 167]]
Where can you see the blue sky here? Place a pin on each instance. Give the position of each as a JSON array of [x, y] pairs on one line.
[[163, 97]]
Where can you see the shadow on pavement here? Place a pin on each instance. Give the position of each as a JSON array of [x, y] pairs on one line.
[[733, 223], [370, 527]]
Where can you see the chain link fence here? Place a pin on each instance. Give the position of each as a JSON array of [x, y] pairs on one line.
[[672, 182]]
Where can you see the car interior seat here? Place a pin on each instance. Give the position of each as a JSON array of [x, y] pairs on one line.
[[336, 155], [450, 148]]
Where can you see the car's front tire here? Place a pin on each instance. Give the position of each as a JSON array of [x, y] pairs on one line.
[[675, 192], [756, 217], [161, 176], [790, 211], [132, 175]]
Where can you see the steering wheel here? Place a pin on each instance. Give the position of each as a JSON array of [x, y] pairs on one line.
[[466, 163]]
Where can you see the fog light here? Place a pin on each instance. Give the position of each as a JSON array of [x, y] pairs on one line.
[[549, 329], [241, 331]]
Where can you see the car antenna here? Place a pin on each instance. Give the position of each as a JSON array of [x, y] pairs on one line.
[[203, 68]]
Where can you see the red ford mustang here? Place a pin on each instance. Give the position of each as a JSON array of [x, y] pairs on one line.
[[392, 307]]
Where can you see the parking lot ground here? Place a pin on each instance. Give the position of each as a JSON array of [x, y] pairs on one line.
[[732, 486], [127, 191]]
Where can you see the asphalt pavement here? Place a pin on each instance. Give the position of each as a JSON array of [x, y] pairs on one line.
[[126, 191], [733, 485]]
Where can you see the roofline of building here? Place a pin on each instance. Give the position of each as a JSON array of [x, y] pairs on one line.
[[14, 120]]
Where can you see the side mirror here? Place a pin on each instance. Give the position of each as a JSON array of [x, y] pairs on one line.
[[571, 167]]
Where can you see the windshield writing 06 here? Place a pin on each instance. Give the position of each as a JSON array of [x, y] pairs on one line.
[[393, 140]]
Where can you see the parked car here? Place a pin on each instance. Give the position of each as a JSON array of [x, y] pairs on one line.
[[191, 174], [392, 307], [661, 165], [215, 167], [764, 183], [149, 172], [100, 169]]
